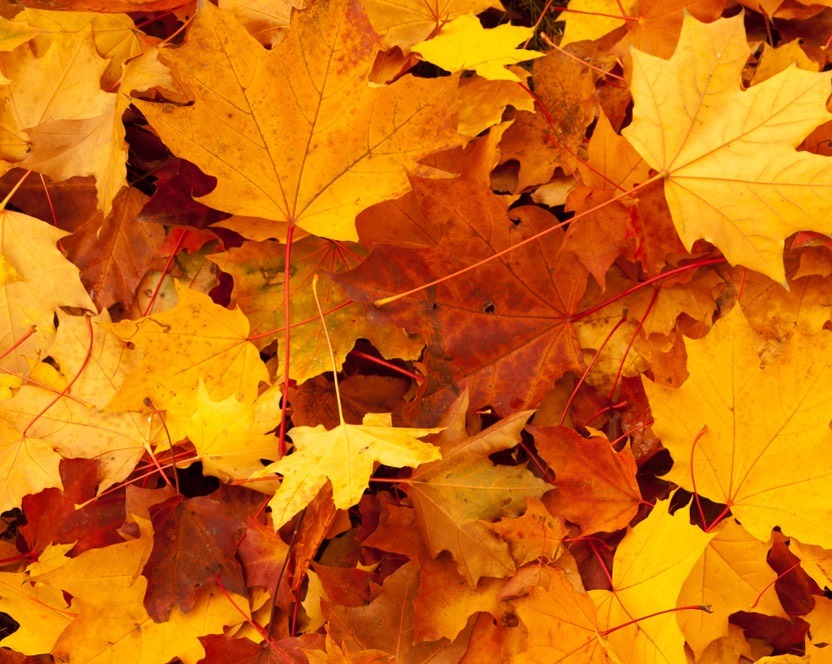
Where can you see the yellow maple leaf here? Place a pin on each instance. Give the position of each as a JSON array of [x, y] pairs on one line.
[[732, 575], [35, 279], [650, 566], [562, 625], [592, 19], [74, 423], [464, 44], [231, 437], [403, 23], [761, 435], [731, 172], [96, 146], [297, 134], [197, 340], [27, 465], [345, 456], [41, 612]]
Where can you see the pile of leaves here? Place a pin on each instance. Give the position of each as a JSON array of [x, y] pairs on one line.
[[579, 313]]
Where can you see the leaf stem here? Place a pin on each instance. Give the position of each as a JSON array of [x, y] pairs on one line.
[[331, 352], [387, 300], [165, 270], [273, 613], [640, 325], [690, 607], [287, 340], [384, 363], [589, 366], [269, 333], [77, 375], [14, 190], [16, 344], [684, 268]]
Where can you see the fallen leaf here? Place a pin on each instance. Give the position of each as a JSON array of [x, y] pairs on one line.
[[194, 542], [35, 279], [596, 486], [705, 136], [562, 625], [275, 157], [640, 588], [464, 44], [196, 342], [345, 456], [738, 422]]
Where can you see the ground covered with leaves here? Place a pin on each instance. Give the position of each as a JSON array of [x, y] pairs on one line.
[[577, 301]]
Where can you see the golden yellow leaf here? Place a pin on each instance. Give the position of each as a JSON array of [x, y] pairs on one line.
[[41, 612], [38, 280], [404, 23], [345, 456], [464, 44], [114, 35], [650, 566], [95, 146], [74, 423], [59, 81], [27, 465], [112, 624], [593, 19], [297, 134], [562, 625], [761, 435], [731, 172], [732, 575], [266, 20], [231, 436], [195, 341]]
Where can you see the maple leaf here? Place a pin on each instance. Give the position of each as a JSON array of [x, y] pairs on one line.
[[52, 515], [641, 588], [317, 159], [41, 611], [345, 456], [111, 622], [551, 137], [465, 558], [731, 172], [404, 23], [514, 312], [231, 436], [386, 623], [464, 44], [596, 486], [73, 422], [445, 601], [194, 542], [732, 424], [562, 625], [35, 279], [455, 498], [592, 19], [537, 534], [113, 252], [65, 148], [28, 465], [732, 575], [196, 342]]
